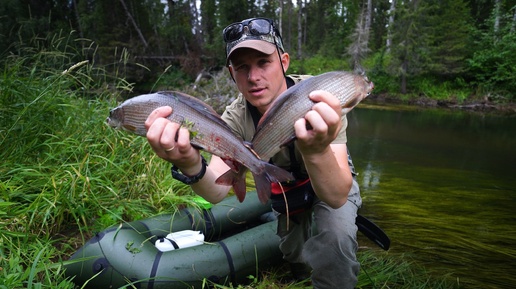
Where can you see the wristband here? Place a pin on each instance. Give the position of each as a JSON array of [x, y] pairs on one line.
[[186, 179]]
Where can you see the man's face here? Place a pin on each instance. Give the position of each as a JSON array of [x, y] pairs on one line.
[[259, 77]]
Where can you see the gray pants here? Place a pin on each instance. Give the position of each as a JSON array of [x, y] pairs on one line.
[[326, 240]]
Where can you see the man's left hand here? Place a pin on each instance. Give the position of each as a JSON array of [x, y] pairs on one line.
[[324, 124]]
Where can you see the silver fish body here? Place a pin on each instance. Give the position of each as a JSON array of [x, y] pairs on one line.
[[207, 132], [276, 127]]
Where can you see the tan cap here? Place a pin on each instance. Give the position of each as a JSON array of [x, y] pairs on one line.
[[260, 45], [263, 43]]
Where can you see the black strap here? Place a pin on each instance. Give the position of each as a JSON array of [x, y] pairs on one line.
[[176, 246], [255, 114], [154, 269], [190, 218], [295, 167], [294, 164], [209, 222], [232, 274], [290, 82], [351, 166]]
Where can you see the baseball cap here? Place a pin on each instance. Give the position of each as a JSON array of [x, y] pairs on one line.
[[256, 33]]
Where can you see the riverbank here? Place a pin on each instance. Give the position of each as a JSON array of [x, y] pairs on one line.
[[480, 106]]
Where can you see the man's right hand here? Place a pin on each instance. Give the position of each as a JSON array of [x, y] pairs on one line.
[[171, 142]]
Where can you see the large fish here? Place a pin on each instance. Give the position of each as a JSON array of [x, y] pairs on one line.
[[207, 132], [276, 127]]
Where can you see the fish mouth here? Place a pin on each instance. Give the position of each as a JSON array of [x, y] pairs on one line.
[[111, 123], [370, 87], [115, 118]]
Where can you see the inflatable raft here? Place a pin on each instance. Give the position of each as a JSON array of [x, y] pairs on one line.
[[236, 245]]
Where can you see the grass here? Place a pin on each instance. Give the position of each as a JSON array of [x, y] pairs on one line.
[[65, 175]]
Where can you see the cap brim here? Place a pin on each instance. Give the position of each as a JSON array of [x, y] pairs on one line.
[[260, 45]]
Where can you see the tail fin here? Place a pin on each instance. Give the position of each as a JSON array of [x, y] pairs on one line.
[[235, 178], [271, 174]]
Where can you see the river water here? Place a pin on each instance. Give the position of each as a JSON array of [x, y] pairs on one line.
[[442, 185]]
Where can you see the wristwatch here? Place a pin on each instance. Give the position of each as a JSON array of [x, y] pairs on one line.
[[187, 179]]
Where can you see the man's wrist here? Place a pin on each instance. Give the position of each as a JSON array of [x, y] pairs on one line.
[[189, 179]]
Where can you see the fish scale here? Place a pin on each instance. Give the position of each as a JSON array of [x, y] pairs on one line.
[[276, 127]]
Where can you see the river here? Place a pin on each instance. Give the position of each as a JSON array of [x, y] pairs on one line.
[[442, 185]]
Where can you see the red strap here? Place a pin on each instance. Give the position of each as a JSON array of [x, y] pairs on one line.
[[276, 189]]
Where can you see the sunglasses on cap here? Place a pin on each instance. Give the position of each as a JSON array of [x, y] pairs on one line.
[[256, 27], [260, 28]]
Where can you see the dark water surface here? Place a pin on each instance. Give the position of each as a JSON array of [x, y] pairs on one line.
[[443, 186]]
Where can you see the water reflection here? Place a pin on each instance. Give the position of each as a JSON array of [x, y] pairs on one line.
[[442, 185]]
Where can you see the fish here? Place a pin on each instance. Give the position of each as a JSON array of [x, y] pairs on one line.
[[208, 132], [276, 127]]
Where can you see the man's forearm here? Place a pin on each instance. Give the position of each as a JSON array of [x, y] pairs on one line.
[[330, 178], [208, 189]]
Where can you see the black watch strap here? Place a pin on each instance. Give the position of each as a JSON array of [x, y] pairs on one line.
[[186, 179]]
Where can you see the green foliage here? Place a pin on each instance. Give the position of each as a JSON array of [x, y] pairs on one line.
[[378, 270], [436, 89], [233, 11], [210, 27], [170, 79], [411, 37], [383, 82], [492, 67], [451, 24], [25, 264], [382, 271], [64, 174], [317, 65]]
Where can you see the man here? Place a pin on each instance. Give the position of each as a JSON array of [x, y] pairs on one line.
[[325, 197]]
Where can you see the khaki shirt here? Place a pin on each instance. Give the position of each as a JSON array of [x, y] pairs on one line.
[[238, 117]]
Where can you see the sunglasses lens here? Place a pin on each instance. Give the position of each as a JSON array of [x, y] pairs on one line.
[[259, 27], [256, 27], [233, 32]]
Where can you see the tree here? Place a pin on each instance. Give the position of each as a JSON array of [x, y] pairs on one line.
[[209, 21], [492, 67], [135, 25], [450, 27], [299, 29], [330, 24], [358, 48], [392, 12], [410, 41], [233, 11], [368, 15]]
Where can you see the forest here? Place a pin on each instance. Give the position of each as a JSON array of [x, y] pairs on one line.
[[441, 49]]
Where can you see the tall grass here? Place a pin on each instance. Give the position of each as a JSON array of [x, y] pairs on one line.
[[65, 175]]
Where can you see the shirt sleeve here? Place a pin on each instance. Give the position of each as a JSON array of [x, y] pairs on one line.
[[342, 137]]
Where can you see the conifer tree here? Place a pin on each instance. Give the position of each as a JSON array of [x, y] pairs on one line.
[[451, 26]]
